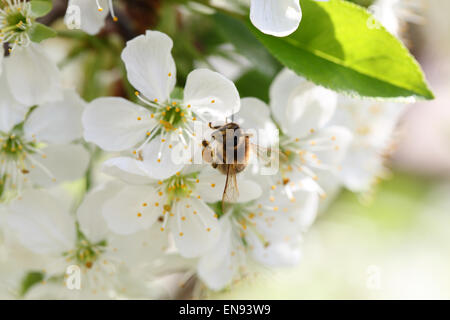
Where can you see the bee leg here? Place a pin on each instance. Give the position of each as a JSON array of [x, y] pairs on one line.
[[213, 127]]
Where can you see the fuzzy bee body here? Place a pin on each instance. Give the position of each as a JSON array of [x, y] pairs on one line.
[[229, 152]]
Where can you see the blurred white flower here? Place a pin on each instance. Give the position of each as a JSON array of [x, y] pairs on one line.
[[44, 225], [308, 144], [372, 124], [36, 148], [393, 14], [30, 75], [175, 205], [275, 17], [152, 132], [279, 18], [92, 14], [267, 230]]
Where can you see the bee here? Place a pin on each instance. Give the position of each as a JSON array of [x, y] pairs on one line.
[[229, 152]]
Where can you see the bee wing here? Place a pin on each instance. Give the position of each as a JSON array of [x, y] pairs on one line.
[[231, 191]]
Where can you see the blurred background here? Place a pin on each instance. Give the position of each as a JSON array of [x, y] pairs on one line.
[[393, 243]]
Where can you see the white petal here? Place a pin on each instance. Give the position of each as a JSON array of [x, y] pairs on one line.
[[89, 213], [211, 95], [57, 122], [11, 111], [61, 163], [32, 77], [299, 105], [125, 213], [276, 254], [254, 115], [127, 169], [40, 223], [276, 17], [306, 208], [198, 232], [248, 190], [91, 19], [212, 183], [113, 123], [161, 160], [147, 246], [341, 139], [360, 168], [150, 65], [219, 265]]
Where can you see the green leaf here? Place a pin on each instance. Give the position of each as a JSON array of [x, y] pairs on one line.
[[30, 279], [335, 48], [41, 7], [254, 84], [41, 32]]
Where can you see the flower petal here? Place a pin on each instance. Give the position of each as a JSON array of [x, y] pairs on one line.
[[198, 232], [125, 212], [150, 65], [340, 139], [211, 185], [147, 246], [279, 18], [127, 169], [32, 77], [161, 159], [11, 111], [41, 224], [115, 124], [91, 18], [211, 95], [56, 122], [61, 163], [219, 265], [275, 254], [299, 105], [254, 116], [89, 213]]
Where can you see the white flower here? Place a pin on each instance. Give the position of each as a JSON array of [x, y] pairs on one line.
[[267, 231], [372, 124], [36, 148], [92, 14], [174, 205], [394, 13], [279, 18], [31, 76], [308, 145], [164, 124], [44, 225]]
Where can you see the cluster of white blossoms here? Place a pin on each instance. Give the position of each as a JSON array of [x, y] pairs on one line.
[[161, 210]]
